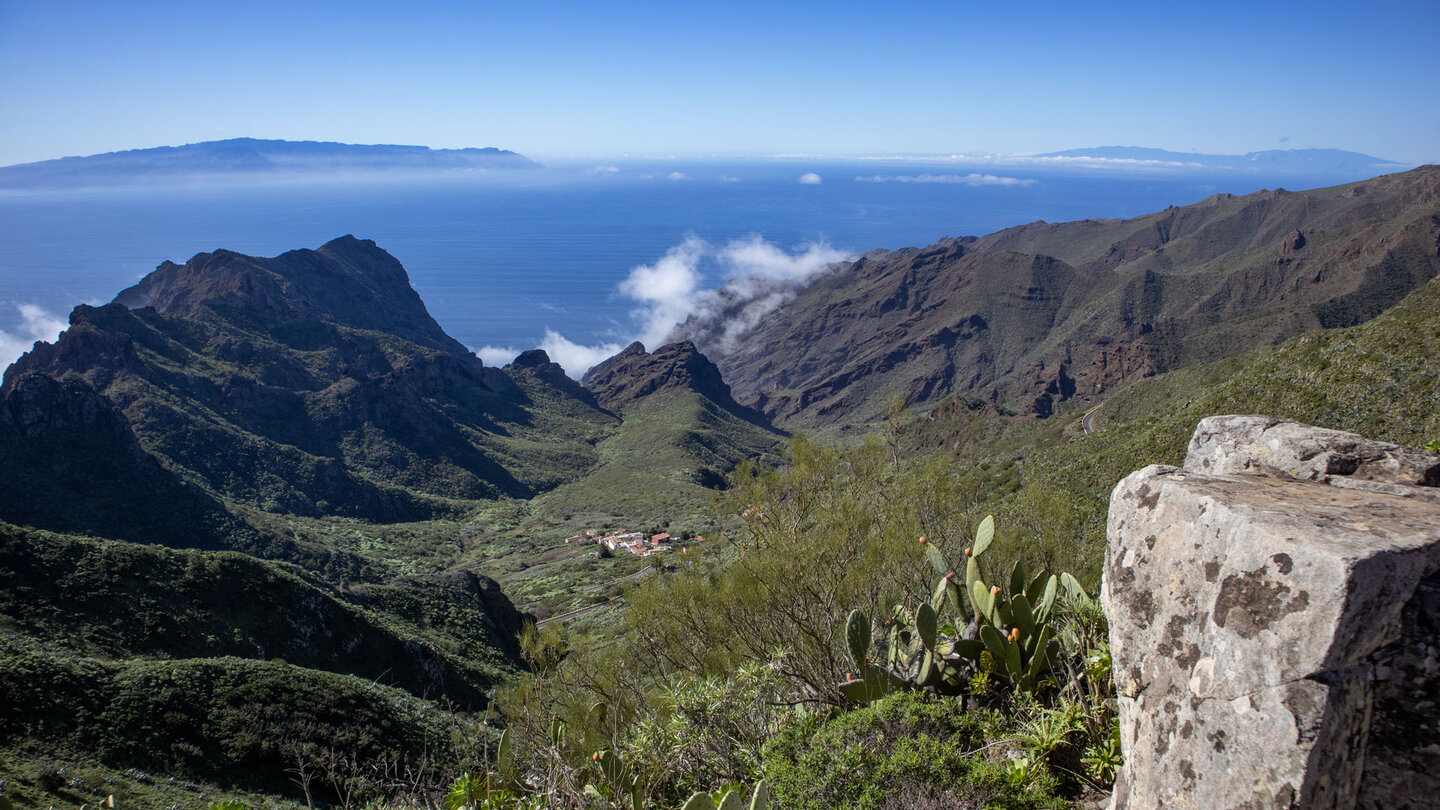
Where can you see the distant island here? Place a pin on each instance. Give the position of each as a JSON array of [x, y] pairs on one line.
[[253, 158], [1270, 160]]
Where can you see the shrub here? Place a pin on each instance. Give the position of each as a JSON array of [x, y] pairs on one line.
[[905, 750]]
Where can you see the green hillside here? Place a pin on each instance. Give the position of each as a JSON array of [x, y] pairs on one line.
[[221, 666]]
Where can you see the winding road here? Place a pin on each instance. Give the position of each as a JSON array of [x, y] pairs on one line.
[[1087, 422]]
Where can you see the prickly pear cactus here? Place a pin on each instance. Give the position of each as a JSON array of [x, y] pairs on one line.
[[925, 651], [700, 801]]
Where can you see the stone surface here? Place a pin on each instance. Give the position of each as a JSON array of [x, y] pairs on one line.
[[1274, 625], [1241, 444]]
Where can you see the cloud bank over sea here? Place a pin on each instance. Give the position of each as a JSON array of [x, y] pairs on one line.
[[972, 179], [669, 299]]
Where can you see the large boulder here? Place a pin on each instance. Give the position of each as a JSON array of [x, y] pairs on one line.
[[1275, 622]]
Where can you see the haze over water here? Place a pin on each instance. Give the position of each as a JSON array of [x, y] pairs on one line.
[[502, 259]]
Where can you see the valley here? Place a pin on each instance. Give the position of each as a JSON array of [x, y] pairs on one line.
[[258, 512]]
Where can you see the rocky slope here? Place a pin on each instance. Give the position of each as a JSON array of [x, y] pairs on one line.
[[1038, 314], [632, 377], [316, 384], [313, 383]]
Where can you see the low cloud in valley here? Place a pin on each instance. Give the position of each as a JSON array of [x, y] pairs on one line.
[[671, 302]]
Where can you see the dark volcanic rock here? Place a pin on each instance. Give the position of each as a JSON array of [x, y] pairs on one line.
[[314, 383], [537, 365], [633, 375], [347, 282], [1033, 315]]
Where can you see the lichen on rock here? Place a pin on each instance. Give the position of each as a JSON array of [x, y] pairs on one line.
[[1275, 621]]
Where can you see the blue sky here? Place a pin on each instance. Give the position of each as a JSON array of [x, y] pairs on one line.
[[553, 79]]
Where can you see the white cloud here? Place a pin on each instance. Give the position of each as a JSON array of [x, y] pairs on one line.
[[725, 178], [35, 324], [972, 179], [666, 289], [1041, 161], [810, 179], [496, 355], [677, 176], [754, 257], [761, 276], [574, 357], [603, 170]]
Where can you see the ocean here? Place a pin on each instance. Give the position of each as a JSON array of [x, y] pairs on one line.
[[502, 259]]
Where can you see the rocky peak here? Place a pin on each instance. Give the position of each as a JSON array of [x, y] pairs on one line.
[[347, 282], [90, 344], [537, 365], [632, 375], [334, 390], [533, 358]]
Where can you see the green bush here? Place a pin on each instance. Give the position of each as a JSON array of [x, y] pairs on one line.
[[904, 751]]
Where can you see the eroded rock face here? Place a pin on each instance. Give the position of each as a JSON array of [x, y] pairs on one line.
[[1275, 622]]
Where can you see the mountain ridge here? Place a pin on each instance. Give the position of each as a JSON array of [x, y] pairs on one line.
[[1038, 314], [311, 383], [253, 157], [633, 375], [316, 384]]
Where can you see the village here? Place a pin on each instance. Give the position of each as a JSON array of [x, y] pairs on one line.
[[634, 542]]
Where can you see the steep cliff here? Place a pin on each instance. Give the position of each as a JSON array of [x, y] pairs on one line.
[[313, 383], [1038, 314]]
